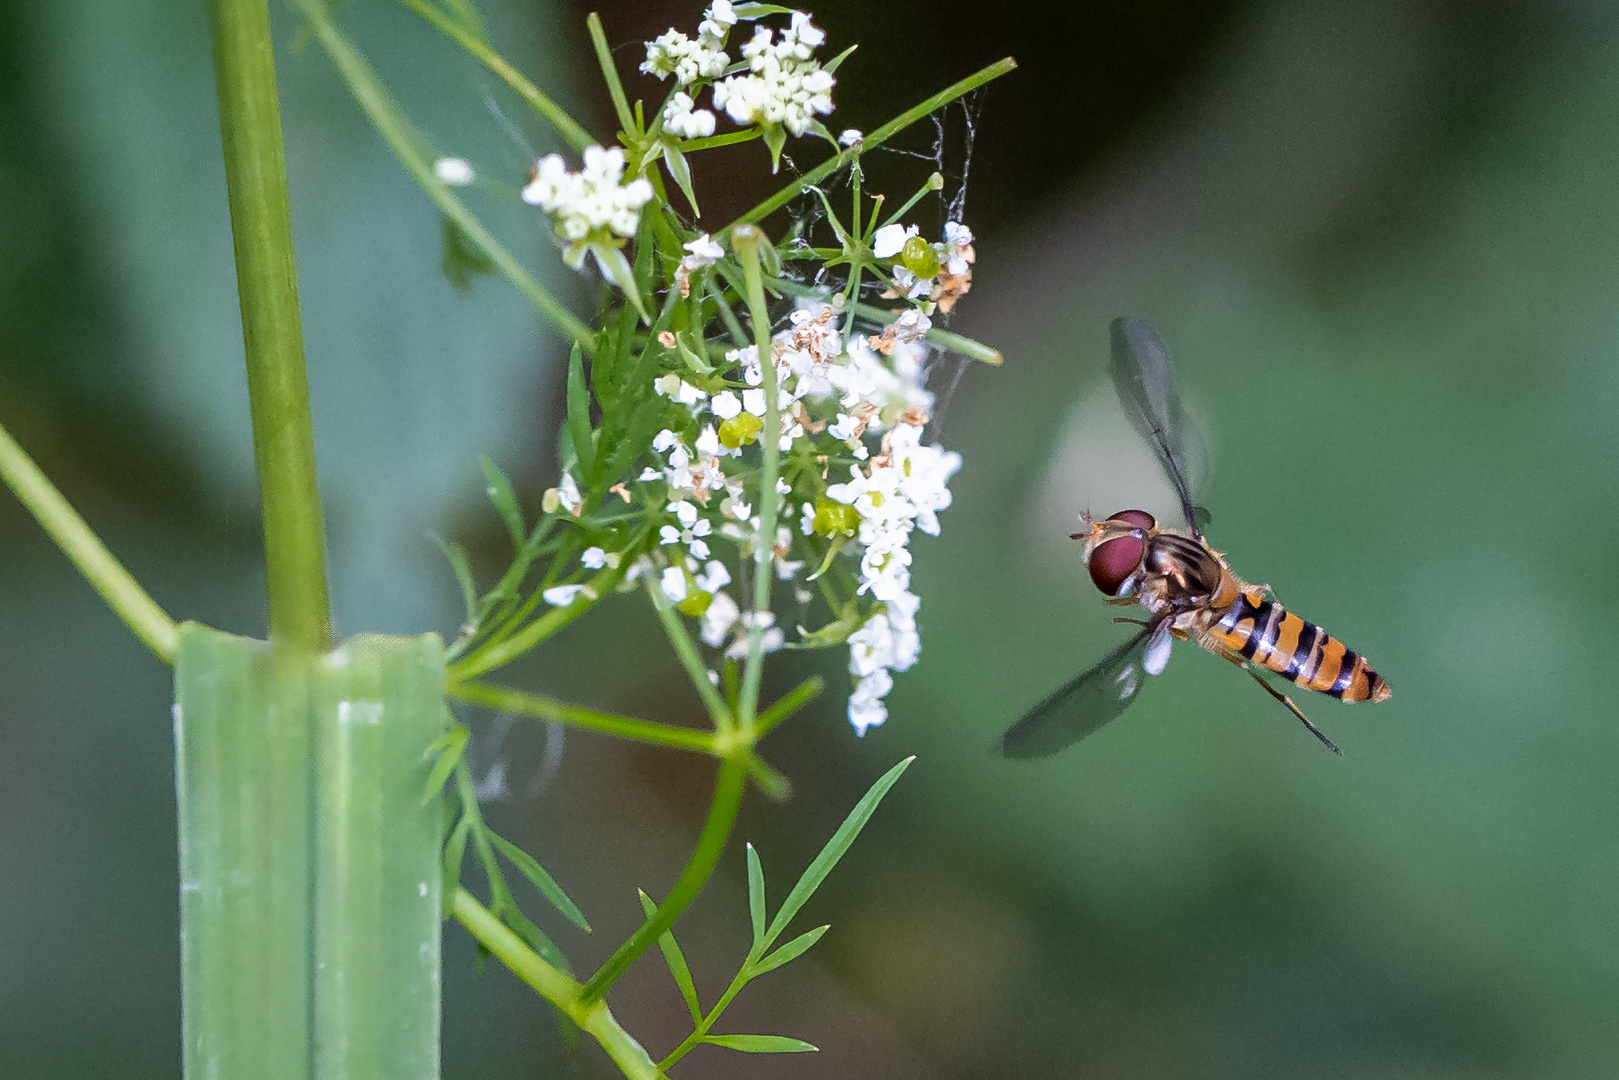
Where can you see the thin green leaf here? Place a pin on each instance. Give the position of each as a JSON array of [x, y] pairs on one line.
[[616, 269], [790, 951], [615, 89], [460, 260], [449, 747], [535, 937], [467, 16], [837, 61], [762, 1044], [834, 850], [542, 881], [680, 171], [455, 849], [756, 897], [676, 961], [500, 493], [579, 414], [776, 139], [759, 11], [461, 566]]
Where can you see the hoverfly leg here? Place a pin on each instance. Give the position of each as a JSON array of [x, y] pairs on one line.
[[1136, 622], [1294, 709]]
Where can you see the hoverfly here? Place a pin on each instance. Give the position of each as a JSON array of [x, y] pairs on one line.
[[1186, 587]]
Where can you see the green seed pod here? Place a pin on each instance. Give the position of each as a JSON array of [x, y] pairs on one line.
[[696, 603], [919, 258], [833, 517], [740, 430]]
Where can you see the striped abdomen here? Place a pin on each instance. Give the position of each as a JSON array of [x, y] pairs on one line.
[[1263, 631]]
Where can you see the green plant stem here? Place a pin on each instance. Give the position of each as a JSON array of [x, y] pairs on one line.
[[788, 703], [746, 241], [944, 339], [591, 1015], [875, 139], [615, 88], [686, 650], [524, 703], [566, 126], [488, 658], [705, 856], [402, 138], [272, 330], [84, 549], [706, 1024]]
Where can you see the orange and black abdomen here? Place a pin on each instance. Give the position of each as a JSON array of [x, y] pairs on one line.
[[1268, 634]]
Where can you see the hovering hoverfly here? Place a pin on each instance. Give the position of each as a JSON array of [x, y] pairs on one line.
[[1186, 587]]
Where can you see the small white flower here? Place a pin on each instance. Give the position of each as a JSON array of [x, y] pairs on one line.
[[753, 400], [593, 558], [714, 577], [454, 171], [689, 123], [889, 239], [725, 404], [721, 615], [673, 583], [850, 136], [564, 595], [686, 512], [668, 534]]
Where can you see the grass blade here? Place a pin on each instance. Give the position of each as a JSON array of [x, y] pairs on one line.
[[834, 850]]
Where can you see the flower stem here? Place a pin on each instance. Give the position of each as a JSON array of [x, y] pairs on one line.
[[686, 650], [876, 139], [272, 329], [566, 125], [551, 984], [84, 549], [523, 703], [746, 240], [711, 842], [406, 143]]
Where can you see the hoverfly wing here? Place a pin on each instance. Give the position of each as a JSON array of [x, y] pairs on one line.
[[1082, 706], [1146, 386]]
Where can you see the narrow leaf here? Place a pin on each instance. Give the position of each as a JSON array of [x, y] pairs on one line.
[[542, 881], [462, 568], [759, 11], [500, 493], [762, 1044], [834, 850], [790, 951], [676, 961], [449, 747], [675, 162], [535, 937], [454, 851], [467, 16], [837, 61], [756, 897], [579, 414]]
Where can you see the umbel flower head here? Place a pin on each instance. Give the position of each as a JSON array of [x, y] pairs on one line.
[[782, 91], [592, 210]]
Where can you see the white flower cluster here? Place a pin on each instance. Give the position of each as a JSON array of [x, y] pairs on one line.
[[592, 206], [785, 84], [673, 53], [836, 394], [937, 274]]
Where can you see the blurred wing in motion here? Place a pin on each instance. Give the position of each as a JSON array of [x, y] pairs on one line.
[[1082, 706], [1146, 387]]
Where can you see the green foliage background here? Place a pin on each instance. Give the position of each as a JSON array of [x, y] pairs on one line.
[[1380, 240]]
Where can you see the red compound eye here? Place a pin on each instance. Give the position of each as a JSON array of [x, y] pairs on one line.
[[1113, 562]]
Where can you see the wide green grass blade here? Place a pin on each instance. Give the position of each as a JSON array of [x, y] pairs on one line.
[[377, 704], [242, 785]]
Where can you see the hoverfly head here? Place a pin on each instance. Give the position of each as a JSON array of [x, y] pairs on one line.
[[1115, 549]]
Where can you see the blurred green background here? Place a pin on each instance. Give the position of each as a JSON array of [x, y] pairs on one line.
[[1380, 238]]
